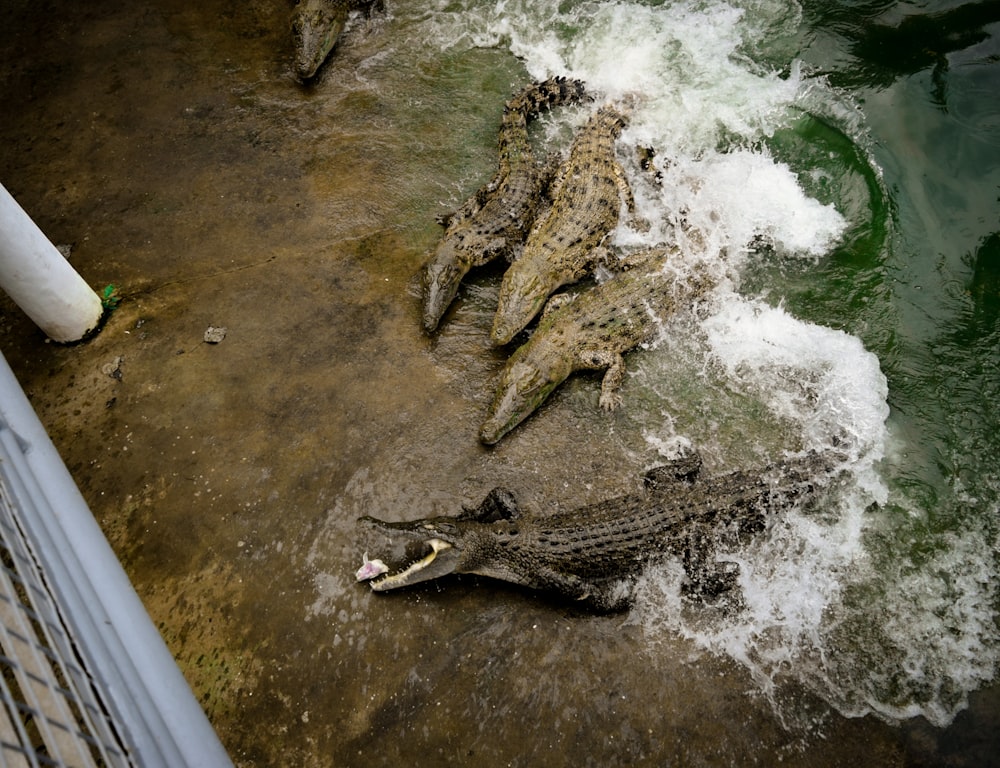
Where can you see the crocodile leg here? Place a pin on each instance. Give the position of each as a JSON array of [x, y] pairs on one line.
[[473, 205], [684, 469], [499, 504], [597, 359], [707, 580]]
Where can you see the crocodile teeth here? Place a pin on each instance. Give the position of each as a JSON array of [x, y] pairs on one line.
[[388, 581]]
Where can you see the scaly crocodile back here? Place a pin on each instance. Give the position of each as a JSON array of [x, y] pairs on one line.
[[586, 202], [495, 221], [585, 199]]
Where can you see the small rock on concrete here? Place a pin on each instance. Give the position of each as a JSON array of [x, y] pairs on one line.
[[214, 335]]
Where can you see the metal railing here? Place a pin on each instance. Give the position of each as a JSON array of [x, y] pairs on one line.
[[86, 679], [52, 713]]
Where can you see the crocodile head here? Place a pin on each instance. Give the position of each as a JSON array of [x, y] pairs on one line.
[[442, 276], [315, 29], [411, 552], [523, 293], [530, 376], [462, 248], [421, 550]]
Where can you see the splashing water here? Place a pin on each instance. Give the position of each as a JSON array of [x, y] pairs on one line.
[[835, 601]]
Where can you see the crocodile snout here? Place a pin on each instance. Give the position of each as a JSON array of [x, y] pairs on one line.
[[522, 295], [523, 387], [442, 278]]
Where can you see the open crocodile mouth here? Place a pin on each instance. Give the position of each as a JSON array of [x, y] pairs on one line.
[[419, 561]]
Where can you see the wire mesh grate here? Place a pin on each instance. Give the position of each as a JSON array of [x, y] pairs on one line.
[[52, 714]]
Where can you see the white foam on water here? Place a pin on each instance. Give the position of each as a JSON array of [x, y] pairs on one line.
[[945, 643], [737, 202], [702, 104], [821, 378], [792, 580], [706, 103]]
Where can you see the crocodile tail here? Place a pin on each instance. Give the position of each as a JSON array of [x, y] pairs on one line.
[[526, 105], [554, 92]]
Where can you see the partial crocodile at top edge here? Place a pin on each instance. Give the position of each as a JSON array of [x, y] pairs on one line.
[[316, 27]]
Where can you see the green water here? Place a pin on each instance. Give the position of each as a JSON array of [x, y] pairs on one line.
[[921, 291]]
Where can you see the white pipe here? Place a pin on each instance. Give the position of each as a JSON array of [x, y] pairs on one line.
[[40, 281]]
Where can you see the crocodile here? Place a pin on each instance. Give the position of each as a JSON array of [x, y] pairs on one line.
[[495, 220], [562, 246], [317, 25], [590, 332], [596, 553]]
